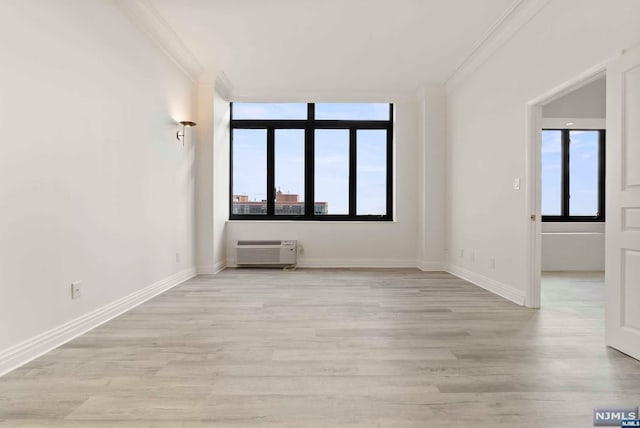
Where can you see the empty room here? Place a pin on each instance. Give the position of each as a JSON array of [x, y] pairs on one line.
[[294, 213]]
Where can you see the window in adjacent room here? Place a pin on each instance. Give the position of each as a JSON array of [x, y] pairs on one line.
[[316, 161], [573, 174]]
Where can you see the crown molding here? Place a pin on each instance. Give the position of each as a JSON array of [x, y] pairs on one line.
[[224, 86], [510, 22], [146, 18], [430, 91], [219, 82]]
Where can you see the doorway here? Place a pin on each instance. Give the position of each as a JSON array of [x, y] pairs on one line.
[[572, 187], [566, 235]]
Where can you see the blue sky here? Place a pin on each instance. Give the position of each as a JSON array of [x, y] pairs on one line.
[[331, 156], [583, 172]]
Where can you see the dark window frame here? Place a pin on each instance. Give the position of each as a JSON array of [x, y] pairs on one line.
[[310, 125], [565, 217]]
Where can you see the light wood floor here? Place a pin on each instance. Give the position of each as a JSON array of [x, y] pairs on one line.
[[333, 348]]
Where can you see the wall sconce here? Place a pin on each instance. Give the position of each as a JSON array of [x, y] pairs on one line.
[[185, 124]]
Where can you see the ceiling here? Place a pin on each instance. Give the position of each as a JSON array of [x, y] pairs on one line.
[[352, 46]]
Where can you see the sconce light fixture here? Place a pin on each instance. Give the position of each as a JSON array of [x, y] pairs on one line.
[[185, 124]]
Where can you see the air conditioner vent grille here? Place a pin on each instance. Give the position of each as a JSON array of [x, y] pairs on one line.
[[243, 243], [254, 252], [252, 256]]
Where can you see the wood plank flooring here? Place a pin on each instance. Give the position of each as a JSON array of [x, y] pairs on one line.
[[342, 347]]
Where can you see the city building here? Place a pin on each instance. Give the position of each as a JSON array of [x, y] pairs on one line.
[[285, 204]]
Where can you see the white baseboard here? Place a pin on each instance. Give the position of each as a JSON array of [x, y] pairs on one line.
[[349, 263], [31, 349], [430, 266], [356, 263], [213, 269], [499, 288]]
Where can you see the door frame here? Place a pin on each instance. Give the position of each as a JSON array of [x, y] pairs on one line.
[[533, 172]]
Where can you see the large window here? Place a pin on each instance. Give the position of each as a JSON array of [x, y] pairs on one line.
[[317, 161], [573, 175]]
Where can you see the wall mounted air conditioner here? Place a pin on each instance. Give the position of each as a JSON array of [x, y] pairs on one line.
[[266, 253]]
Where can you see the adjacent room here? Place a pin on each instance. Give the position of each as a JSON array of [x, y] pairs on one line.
[[573, 195], [342, 213]]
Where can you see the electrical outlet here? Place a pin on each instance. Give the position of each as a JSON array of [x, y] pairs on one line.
[[461, 253], [492, 263], [76, 290], [177, 257]]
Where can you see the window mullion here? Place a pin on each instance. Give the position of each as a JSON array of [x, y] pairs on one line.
[[601, 175], [309, 165], [565, 173], [271, 163], [390, 163], [353, 162], [231, 167]]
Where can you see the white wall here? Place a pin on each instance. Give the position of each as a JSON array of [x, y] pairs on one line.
[[432, 155], [487, 131], [573, 246], [203, 141], [221, 117], [378, 244], [212, 183], [93, 183], [589, 101]]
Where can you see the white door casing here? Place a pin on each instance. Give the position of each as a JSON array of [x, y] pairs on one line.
[[622, 277]]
